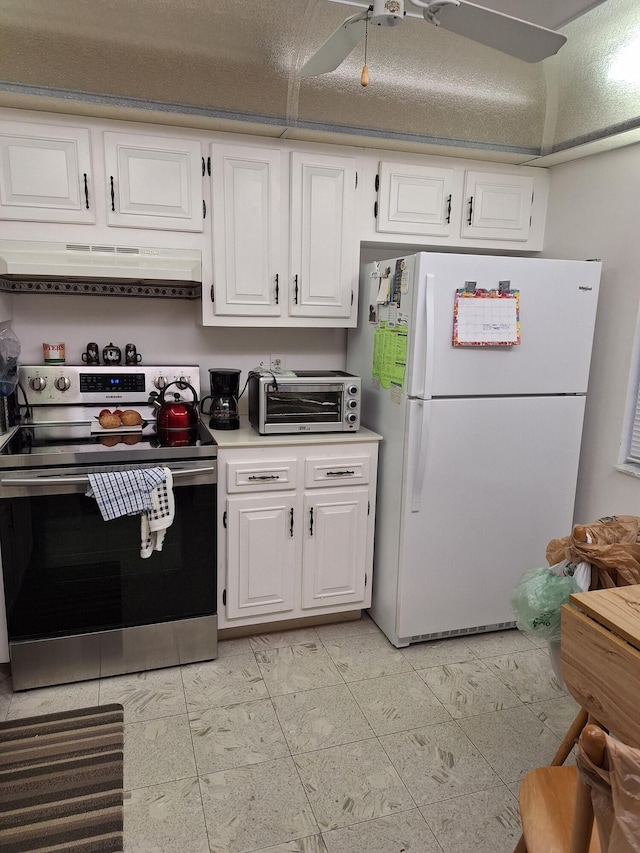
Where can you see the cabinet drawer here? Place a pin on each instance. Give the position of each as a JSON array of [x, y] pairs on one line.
[[264, 476], [322, 471]]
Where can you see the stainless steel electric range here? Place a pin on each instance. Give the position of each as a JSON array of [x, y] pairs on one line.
[[80, 600]]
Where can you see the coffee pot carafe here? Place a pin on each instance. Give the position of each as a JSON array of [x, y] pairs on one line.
[[225, 390]]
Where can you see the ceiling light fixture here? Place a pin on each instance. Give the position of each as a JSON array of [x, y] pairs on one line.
[[625, 67]]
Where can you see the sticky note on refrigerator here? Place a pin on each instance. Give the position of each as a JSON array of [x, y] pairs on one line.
[[384, 290]]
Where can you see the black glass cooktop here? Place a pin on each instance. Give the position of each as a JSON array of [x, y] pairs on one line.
[[59, 444]]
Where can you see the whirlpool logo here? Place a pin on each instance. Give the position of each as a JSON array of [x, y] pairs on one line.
[[584, 287]]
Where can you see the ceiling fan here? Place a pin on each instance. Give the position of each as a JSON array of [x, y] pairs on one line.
[[518, 38]]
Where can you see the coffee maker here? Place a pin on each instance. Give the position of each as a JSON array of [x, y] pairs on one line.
[[225, 389]]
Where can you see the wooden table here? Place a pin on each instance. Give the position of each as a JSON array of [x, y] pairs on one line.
[[600, 656]]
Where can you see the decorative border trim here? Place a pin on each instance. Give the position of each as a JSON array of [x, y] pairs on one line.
[[285, 122], [102, 287]]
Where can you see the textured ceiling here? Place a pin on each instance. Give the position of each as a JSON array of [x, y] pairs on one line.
[[233, 64]]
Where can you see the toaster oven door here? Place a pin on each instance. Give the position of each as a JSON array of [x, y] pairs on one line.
[[293, 406]]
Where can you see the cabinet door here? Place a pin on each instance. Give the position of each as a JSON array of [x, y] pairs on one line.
[[414, 199], [153, 182], [323, 273], [45, 173], [335, 546], [262, 555], [498, 206], [248, 258]]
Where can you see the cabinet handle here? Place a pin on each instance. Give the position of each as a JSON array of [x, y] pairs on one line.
[[448, 216], [291, 522], [339, 473], [113, 195], [470, 211], [295, 290], [204, 209], [203, 167], [311, 522], [264, 477], [86, 192], [277, 289], [209, 166]]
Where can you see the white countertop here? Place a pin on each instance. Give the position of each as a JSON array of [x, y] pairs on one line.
[[247, 436]]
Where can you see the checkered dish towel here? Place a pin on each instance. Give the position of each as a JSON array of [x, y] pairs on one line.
[[124, 492], [154, 524]]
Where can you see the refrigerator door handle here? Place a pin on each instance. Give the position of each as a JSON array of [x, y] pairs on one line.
[[422, 371], [420, 457]]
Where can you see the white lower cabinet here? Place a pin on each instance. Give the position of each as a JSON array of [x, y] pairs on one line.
[[264, 553], [296, 532], [334, 547]]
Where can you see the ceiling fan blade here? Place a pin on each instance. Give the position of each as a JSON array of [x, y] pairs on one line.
[[518, 38], [337, 47]]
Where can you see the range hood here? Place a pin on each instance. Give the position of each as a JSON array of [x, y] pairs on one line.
[[41, 267]]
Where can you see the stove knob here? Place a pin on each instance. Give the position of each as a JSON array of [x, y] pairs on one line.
[[38, 383], [160, 382], [62, 383], [352, 404], [352, 389], [351, 418]]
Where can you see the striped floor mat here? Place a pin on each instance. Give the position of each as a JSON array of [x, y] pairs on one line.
[[61, 781]]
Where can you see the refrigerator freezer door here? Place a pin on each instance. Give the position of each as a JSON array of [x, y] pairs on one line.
[[497, 484], [558, 301]]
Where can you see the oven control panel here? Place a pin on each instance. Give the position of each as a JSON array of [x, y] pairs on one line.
[[68, 384]]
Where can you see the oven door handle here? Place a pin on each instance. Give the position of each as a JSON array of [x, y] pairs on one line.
[[82, 478]]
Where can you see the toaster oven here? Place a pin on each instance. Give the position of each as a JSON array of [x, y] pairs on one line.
[[304, 401]]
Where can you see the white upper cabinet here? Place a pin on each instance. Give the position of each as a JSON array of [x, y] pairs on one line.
[[153, 182], [414, 199], [45, 173], [324, 256], [285, 250], [434, 202], [498, 206], [248, 258]]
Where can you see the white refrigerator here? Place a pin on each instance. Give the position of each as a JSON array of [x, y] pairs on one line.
[[481, 415]]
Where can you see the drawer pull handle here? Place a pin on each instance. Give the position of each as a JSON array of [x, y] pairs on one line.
[[340, 473], [311, 521], [264, 477], [291, 522]]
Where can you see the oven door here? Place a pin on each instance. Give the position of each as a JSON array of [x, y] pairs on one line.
[[68, 573]]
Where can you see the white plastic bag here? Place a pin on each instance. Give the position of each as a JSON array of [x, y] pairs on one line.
[[9, 352], [580, 572]]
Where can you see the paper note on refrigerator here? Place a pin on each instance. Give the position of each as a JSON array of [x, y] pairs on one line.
[[390, 356], [486, 318]]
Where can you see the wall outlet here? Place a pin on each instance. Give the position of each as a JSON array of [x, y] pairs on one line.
[[278, 362]]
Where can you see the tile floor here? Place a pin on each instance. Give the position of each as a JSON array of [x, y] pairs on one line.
[[329, 740]]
